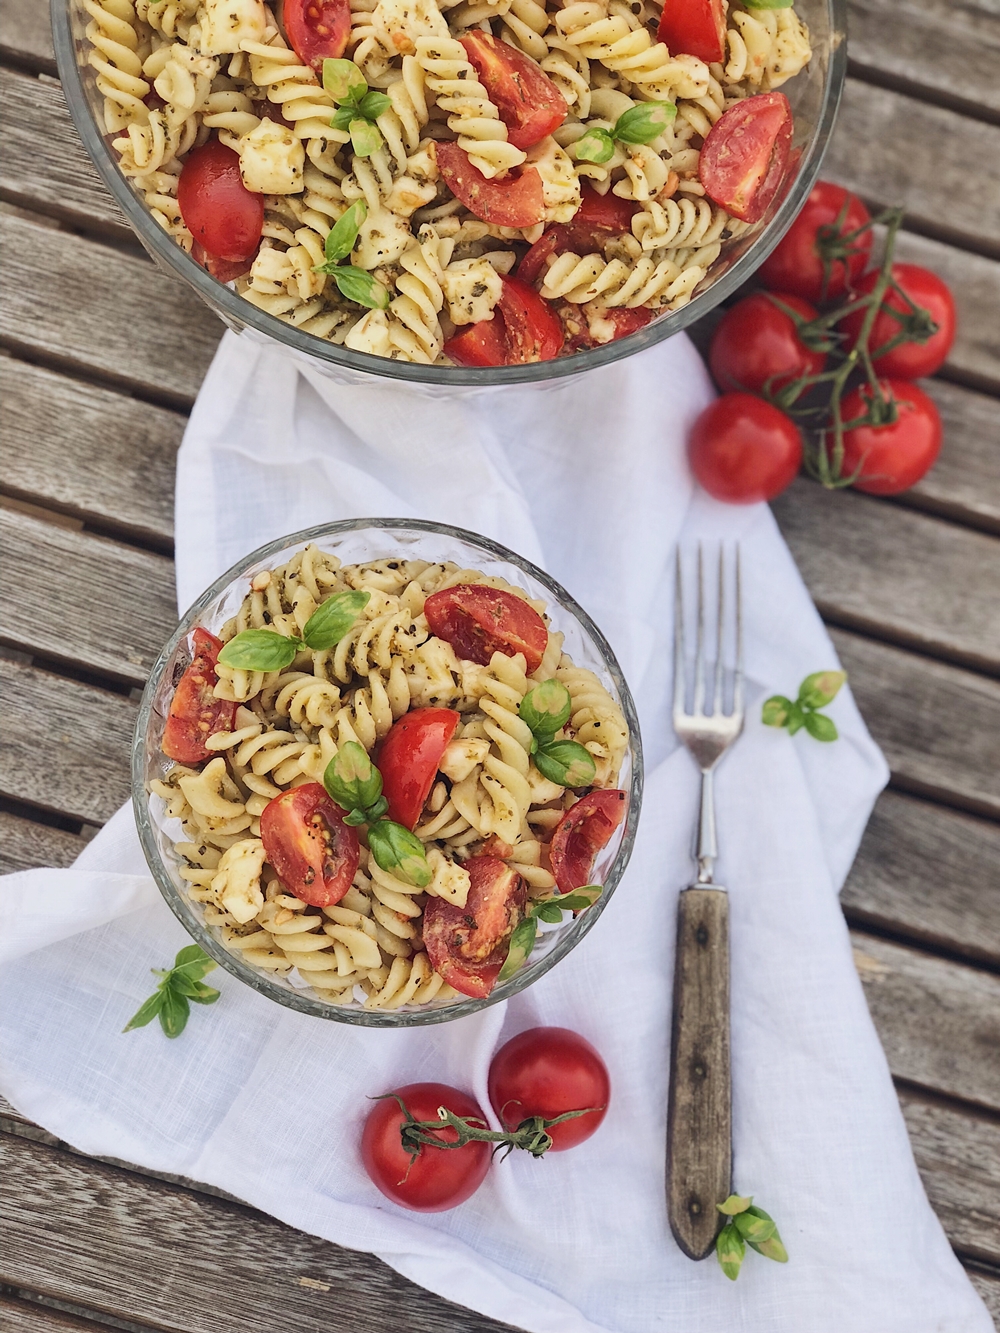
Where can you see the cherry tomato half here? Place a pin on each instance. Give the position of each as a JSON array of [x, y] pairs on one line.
[[530, 104], [195, 713], [468, 945], [796, 266], [892, 458], [694, 28], [312, 849], [218, 210], [225, 270], [524, 328], [910, 359], [317, 29], [743, 159], [547, 1072], [581, 833], [515, 201], [438, 1178], [756, 342], [599, 218], [409, 758], [478, 621], [742, 449]]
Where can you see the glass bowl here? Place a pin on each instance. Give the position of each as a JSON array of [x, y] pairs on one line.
[[353, 541], [814, 95]]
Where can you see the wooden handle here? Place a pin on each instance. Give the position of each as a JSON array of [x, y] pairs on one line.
[[699, 1116]]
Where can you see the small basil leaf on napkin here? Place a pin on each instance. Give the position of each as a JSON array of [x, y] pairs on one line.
[[174, 1012], [776, 711], [522, 941], [565, 762], [731, 1249], [736, 1203], [399, 852], [821, 688], [772, 1248], [194, 990], [331, 621], [821, 727], [545, 709], [259, 650], [146, 1012], [170, 1000], [796, 719], [751, 1227]]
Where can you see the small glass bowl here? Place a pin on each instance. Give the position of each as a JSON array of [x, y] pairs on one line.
[[354, 541]]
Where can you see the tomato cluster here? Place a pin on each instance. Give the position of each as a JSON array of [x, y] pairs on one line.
[[843, 376]]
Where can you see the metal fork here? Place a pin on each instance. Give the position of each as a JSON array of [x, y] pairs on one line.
[[699, 1116]]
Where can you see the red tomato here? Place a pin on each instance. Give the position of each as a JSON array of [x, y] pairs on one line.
[[409, 758], [796, 266], [523, 329], [891, 458], [317, 29], [581, 833], [515, 201], [612, 325], [479, 621], [743, 159], [694, 28], [599, 218], [909, 360], [225, 270], [742, 449], [218, 209], [482, 344], [546, 1072], [468, 945], [309, 845], [530, 104], [438, 1178], [195, 713], [756, 341]]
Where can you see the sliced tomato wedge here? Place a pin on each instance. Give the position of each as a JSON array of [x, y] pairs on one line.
[[743, 159], [409, 758], [694, 28], [317, 29], [218, 210], [479, 621], [599, 218], [467, 945], [312, 849], [482, 344], [530, 104], [195, 713], [524, 328], [515, 201], [225, 270], [581, 833]]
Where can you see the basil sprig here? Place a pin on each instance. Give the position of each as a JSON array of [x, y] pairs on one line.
[[356, 284], [267, 650], [815, 692], [639, 124], [546, 710], [357, 107], [522, 940], [747, 1225], [355, 784], [171, 1001]]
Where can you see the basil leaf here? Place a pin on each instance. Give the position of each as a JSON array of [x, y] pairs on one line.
[[373, 104], [821, 727], [795, 720], [736, 1203], [399, 852], [361, 287], [545, 709], [772, 1248], [343, 116], [342, 235], [751, 1227], [344, 81], [194, 990], [547, 911], [259, 650], [566, 762], [352, 779], [821, 688], [769, 4], [596, 145], [522, 941], [375, 812], [146, 1012], [645, 122], [193, 953], [580, 899], [731, 1249], [366, 138], [776, 711], [330, 622], [174, 1011]]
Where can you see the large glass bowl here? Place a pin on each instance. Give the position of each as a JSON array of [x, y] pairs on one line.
[[814, 95], [354, 541]]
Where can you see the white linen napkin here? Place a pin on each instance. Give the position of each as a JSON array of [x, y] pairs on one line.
[[588, 478]]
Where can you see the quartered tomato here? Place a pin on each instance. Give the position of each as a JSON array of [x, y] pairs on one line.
[[756, 342], [479, 621], [796, 265], [694, 28], [891, 458], [317, 29], [530, 104], [218, 210], [195, 713], [515, 201], [744, 156], [306, 840], [409, 758], [468, 945], [910, 359], [547, 1072], [599, 218], [581, 833], [523, 329]]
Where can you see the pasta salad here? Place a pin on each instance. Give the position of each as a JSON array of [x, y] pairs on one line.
[[385, 775], [472, 182]]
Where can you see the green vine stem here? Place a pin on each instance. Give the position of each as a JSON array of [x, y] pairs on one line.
[[531, 1134]]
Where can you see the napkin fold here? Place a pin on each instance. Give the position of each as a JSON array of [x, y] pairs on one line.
[[588, 478]]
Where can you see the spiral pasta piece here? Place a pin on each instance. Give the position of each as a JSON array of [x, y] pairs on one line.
[[596, 721], [610, 33], [471, 114], [114, 54]]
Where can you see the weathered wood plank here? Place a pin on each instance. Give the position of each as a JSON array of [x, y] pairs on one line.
[[30, 1317], [964, 484], [84, 600], [99, 455], [988, 1286], [25, 34], [25, 844]]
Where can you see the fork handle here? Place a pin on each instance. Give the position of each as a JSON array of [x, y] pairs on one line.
[[699, 1115]]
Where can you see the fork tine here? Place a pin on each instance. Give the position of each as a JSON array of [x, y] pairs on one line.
[[738, 676], [699, 661], [679, 683], [719, 646]]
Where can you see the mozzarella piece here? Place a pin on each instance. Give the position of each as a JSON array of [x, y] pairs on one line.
[[382, 239], [448, 879], [472, 288], [560, 184], [223, 24], [236, 884], [462, 757], [272, 159]]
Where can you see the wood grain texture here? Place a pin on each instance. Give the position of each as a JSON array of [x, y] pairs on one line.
[[988, 1286], [90, 452], [964, 484], [30, 1317], [25, 35], [700, 1108], [25, 844]]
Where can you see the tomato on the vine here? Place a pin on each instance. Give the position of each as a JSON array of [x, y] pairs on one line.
[[742, 449], [312, 849], [910, 359], [478, 621], [891, 458], [743, 159], [195, 712], [317, 29], [409, 758], [796, 265], [581, 833], [757, 342], [218, 210], [548, 1071]]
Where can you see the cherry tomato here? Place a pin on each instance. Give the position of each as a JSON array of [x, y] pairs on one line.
[[524, 328], [909, 360], [468, 945], [438, 1178], [530, 104], [479, 621], [482, 344], [581, 833], [756, 341], [610, 326], [796, 266], [317, 29], [515, 201], [195, 713], [225, 270], [218, 210], [409, 758], [694, 28], [599, 218], [745, 153], [546, 1072], [309, 845], [742, 449], [891, 458]]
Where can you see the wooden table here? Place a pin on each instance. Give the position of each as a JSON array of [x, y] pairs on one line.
[[102, 358]]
